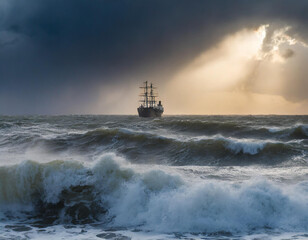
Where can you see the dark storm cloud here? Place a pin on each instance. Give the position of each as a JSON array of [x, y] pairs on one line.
[[52, 47]]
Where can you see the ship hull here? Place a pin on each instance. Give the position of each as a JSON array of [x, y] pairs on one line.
[[149, 112]]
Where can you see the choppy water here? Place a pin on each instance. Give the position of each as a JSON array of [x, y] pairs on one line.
[[177, 177]]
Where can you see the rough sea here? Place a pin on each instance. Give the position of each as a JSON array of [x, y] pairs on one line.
[[175, 177]]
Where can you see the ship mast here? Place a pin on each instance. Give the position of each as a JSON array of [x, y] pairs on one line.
[[145, 95], [148, 107], [152, 97], [148, 95]]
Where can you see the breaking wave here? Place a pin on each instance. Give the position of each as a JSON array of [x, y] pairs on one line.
[[300, 132], [111, 192]]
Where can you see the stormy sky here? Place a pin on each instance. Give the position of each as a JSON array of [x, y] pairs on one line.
[[89, 57]]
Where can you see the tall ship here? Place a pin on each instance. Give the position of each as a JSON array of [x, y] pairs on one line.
[[148, 107]]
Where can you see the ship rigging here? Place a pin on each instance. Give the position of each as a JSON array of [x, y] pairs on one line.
[[148, 107]]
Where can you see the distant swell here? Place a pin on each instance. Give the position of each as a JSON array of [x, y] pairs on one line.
[[111, 192], [233, 128], [187, 150], [150, 147], [205, 126]]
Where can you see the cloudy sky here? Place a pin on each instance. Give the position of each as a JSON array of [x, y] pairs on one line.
[[205, 57]]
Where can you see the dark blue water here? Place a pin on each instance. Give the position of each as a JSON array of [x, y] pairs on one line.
[[196, 177]]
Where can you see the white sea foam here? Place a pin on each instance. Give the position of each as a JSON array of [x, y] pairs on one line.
[[248, 146], [207, 206], [238, 145], [275, 129], [159, 201]]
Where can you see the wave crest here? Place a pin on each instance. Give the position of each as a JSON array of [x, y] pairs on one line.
[[112, 192]]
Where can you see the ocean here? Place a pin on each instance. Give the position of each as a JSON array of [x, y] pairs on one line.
[[175, 177]]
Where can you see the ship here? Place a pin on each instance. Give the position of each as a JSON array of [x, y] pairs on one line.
[[148, 107]]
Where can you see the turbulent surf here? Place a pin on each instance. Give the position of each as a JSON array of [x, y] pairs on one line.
[[122, 177]]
